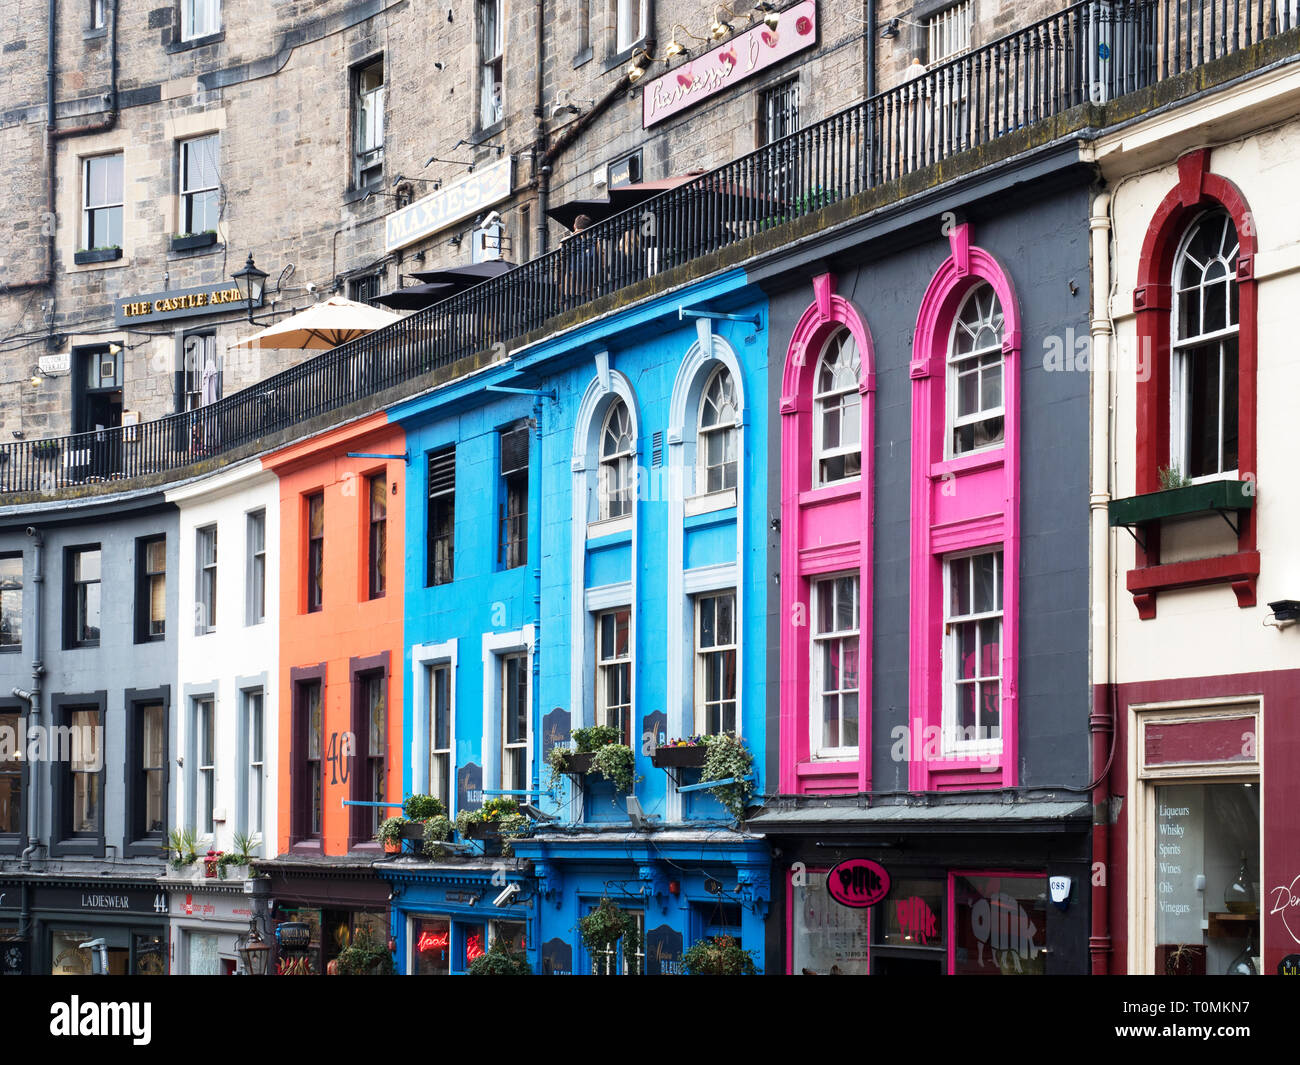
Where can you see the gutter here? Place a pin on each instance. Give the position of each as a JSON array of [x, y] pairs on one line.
[[33, 699]]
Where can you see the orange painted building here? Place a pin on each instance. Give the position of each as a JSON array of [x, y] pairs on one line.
[[341, 650]]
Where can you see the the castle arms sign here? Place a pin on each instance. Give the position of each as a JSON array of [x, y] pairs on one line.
[[718, 69]]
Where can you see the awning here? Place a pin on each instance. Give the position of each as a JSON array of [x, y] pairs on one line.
[[415, 297], [467, 276], [966, 818]]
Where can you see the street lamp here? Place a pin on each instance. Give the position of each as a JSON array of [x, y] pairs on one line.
[[251, 282], [253, 949]]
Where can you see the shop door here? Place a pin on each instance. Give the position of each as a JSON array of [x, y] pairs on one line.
[[97, 411]]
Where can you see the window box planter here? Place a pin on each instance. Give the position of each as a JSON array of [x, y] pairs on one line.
[[483, 830], [190, 241], [679, 757], [579, 764], [1217, 497], [97, 255]]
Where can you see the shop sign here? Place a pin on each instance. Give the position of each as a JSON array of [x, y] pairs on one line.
[[733, 61], [469, 786], [106, 900], [1289, 966], [459, 199], [53, 365], [557, 958], [293, 935], [555, 730], [858, 882], [180, 303], [663, 951], [13, 958]]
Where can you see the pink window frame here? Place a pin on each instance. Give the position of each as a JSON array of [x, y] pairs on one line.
[[953, 874], [824, 531], [960, 504]]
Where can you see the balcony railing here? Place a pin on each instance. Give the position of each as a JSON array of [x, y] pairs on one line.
[[1089, 52]]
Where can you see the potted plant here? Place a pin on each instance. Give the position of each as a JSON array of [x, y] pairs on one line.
[[233, 865], [718, 956], [728, 758], [189, 241], [500, 960], [181, 849], [680, 754], [437, 829], [105, 254], [602, 930], [496, 822], [596, 750], [364, 957], [390, 834]]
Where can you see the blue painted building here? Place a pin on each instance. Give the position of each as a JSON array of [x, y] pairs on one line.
[[587, 545]]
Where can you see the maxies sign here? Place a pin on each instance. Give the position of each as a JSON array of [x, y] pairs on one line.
[[179, 303]]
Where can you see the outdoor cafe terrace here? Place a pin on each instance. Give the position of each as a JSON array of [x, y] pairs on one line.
[[1086, 68]]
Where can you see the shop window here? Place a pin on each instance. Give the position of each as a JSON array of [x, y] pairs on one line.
[[200, 191], [515, 724], [256, 538], [717, 447], [834, 716], [11, 602], [102, 198], [614, 671], [837, 412], [617, 463], [509, 933], [973, 654], [627, 956], [151, 589], [204, 782], [200, 18], [432, 946], [491, 49], [908, 929], [315, 551], [202, 955], [512, 537], [306, 749], [715, 664], [377, 541], [975, 410], [12, 746], [81, 596], [368, 124], [442, 517], [205, 613], [438, 679], [475, 944], [67, 956], [147, 790], [999, 924]]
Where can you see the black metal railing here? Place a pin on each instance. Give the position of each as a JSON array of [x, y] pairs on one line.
[[1088, 52]]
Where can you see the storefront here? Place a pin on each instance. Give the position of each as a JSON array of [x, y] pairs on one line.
[[337, 900], [129, 915], [13, 949], [207, 919], [445, 915], [1006, 894]]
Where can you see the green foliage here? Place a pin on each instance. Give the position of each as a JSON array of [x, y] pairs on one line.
[[437, 829], [1172, 477], [364, 957], [390, 832], [423, 807], [594, 737], [601, 932], [243, 849], [500, 960], [181, 848], [810, 201], [501, 811], [728, 757], [616, 762], [718, 956]]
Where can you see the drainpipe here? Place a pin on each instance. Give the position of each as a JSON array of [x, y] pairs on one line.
[[870, 15], [541, 173], [535, 556], [33, 697], [53, 136], [1101, 721]]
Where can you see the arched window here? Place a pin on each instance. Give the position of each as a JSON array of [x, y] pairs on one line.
[[837, 412], [976, 416], [1203, 371], [717, 450], [617, 462]]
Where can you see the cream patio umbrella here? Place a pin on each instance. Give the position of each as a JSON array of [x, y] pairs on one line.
[[324, 325]]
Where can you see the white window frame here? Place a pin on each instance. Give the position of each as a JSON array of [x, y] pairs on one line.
[[368, 124], [616, 472], [605, 665], [953, 742], [1180, 347], [492, 67], [97, 14], [425, 658], [200, 18], [822, 404], [510, 751], [821, 583], [205, 764], [205, 617], [448, 770], [704, 656], [955, 364], [254, 700], [729, 432], [631, 23], [496, 646], [948, 33], [256, 534], [89, 204], [185, 222]]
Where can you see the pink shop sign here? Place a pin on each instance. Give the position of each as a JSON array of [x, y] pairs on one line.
[[731, 62]]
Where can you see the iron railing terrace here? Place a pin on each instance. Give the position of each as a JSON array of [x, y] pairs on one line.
[[1093, 51]]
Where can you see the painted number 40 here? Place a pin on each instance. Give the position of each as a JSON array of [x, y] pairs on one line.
[[342, 746]]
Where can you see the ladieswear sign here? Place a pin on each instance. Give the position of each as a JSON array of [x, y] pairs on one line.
[[733, 61], [858, 882], [460, 199]]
